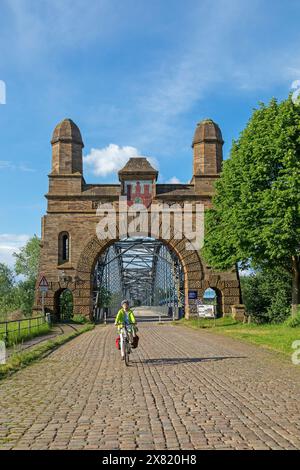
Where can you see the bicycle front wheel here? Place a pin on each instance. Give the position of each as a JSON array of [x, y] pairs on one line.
[[126, 353], [123, 350]]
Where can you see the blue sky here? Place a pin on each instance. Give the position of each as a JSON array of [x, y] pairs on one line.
[[136, 76]]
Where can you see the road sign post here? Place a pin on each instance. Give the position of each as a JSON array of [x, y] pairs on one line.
[[43, 288]]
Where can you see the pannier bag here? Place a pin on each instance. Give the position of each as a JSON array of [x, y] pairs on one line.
[[135, 341]]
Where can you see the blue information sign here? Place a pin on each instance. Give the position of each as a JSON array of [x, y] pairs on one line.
[[193, 294]]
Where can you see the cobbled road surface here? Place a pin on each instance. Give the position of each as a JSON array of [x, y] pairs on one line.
[[184, 389]]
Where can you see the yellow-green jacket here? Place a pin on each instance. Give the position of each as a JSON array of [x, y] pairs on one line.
[[120, 318]]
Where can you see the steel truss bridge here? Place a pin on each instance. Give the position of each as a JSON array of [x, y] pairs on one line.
[[142, 270]]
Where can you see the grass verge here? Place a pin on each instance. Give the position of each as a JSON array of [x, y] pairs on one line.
[[22, 359], [28, 329], [277, 337]]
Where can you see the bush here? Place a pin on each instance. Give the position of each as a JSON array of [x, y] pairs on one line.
[[279, 308], [267, 295], [78, 318], [292, 322]]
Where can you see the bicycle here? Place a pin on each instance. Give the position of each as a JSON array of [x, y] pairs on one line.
[[125, 345]]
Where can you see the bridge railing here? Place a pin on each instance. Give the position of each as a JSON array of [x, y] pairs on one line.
[[14, 331], [101, 315], [104, 313], [172, 312]]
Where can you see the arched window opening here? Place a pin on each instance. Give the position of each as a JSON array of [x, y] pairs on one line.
[[63, 247]]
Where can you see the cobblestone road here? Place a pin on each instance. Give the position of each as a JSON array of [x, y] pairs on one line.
[[184, 389]]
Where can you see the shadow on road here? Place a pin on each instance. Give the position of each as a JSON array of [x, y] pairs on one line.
[[185, 360]]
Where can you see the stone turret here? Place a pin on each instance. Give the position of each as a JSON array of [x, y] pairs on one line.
[[66, 176], [207, 145], [67, 148]]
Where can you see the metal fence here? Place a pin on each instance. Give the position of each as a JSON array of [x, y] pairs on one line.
[[16, 329]]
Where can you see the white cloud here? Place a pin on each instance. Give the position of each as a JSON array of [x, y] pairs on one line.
[[2, 92], [187, 74], [109, 160], [10, 243], [7, 165], [174, 180], [209, 59], [215, 49], [55, 25], [4, 164]]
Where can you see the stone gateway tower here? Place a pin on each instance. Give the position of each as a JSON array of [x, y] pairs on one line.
[[70, 246]]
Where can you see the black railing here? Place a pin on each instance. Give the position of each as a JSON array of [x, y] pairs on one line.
[[13, 331]]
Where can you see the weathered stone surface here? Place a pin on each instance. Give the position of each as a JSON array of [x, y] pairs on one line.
[[238, 312]]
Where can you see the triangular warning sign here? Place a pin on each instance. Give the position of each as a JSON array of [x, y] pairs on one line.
[[43, 282]]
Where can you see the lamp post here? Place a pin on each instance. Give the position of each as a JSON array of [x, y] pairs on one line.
[[65, 280]]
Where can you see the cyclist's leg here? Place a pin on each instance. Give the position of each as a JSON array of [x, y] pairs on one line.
[[121, 344], [130, 336]]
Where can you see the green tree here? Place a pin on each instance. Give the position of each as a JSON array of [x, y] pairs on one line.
[[6, 279], [27, 260], [7, 287], [66, 305], [24, 295], [104, 297], [26, 265], [255, 218]]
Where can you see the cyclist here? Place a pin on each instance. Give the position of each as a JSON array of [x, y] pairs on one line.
[[125, 315]]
